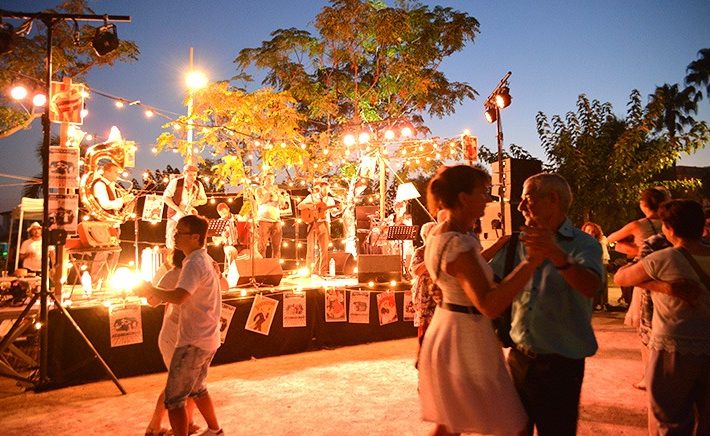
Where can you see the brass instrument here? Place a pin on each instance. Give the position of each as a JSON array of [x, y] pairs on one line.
[[119, 152]]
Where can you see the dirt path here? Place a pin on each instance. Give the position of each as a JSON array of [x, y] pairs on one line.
[[366, 389]]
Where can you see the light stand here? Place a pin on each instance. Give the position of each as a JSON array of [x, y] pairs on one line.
[[493, 107], [43, 383]]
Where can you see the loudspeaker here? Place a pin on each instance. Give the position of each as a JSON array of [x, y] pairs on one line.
[[266, 271], [492, 226], [344, 262], [510, 189], [379, 268]]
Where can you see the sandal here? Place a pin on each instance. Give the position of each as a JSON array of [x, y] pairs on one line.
[[191, 429], [160, 432]]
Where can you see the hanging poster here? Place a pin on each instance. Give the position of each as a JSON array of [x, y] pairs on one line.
[[386, 308], [261, 314], [360, 307], [335, 305], [125, 325], [153, 208], [66, 102], [63, 211], [408, 312], [225, 319], [64, 167], [294, 314]]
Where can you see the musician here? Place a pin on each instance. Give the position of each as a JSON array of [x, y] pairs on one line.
[[235, 243], [181, 196], [321, 206], [112, 198], [269, 199], [400, 217], [105, 190]]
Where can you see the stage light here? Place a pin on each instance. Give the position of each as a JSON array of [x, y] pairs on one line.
[[7, 37], [105, 40], [195, 80], [491, 115], [503, 97]]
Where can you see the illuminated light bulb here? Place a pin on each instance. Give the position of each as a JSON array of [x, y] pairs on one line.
[[212, 200], [154, 150], [107, 303], [196, 80], [325, 151], [438, 156], [371, 284], [89, 137], [83, 93], [299, 245], [85, 217], [330, 245], [299, 220], [393, 283], [38, 325], [41, 99], [195, 150], [363, 138], [83, 113], [175, 150], [407, 132], [206, 178], [283, 145], [165, 180], [149, 113], [349, 139], [133, 216], [284, 244], [466, 132], [229, 200], [303, 146], [119, 104], [404, 152], [18, 92], [243, 293], [389, 134], [176, 127]]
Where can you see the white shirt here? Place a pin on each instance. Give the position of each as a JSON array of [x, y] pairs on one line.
[[101, 194], [198, 323], [269, 204], [190, 197], [33, 248]]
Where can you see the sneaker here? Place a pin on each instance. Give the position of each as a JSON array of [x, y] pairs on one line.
[[210, 432]]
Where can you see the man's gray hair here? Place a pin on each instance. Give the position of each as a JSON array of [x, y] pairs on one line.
[[548, 182]]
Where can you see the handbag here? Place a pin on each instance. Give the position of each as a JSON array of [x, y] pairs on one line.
[[502, 323]]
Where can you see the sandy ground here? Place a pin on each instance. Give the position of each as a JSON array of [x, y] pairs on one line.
[[365, 389]]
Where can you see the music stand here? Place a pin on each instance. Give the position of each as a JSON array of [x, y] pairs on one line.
[[401, 234], [216, 226]]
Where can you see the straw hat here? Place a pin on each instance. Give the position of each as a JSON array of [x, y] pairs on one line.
[[34, 225]]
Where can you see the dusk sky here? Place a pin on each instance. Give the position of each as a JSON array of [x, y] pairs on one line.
[[556, 51]]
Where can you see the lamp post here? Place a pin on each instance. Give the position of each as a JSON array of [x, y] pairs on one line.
[[194, 80], [499, 99]]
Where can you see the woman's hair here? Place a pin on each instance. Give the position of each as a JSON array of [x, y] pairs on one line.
[[653, 197], [596, 230], [685, 217], [176, 258], [444, 188]]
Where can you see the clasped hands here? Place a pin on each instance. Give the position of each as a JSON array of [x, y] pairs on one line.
[[540, 244]]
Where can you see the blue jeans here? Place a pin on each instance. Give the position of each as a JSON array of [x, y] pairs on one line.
[[186, 375]]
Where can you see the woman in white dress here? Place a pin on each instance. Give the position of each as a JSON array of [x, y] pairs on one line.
[[464, 385]]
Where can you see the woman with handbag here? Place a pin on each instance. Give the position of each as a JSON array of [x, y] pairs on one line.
[[464, 385], [677, 376]]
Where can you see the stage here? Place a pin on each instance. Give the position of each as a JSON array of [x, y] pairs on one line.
[[72, 362]]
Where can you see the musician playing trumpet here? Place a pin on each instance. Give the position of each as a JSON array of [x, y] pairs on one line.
[[181, 196], [316, 210]]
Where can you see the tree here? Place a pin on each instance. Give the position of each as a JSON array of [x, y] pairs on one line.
[[698, 74], [367, 63], [72, 57], [607, 160]]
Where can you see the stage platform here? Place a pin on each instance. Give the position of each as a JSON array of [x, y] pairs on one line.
[[72, 362]]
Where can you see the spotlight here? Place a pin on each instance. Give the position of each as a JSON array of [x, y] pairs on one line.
[[491, 114], [503, 98], [7, 37], [105, 40]]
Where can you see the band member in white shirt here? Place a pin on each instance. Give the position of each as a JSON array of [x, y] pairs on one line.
[[104, 189], [316, 210], [269, 199], [181, 196]]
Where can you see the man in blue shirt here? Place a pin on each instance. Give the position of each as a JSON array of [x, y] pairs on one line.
[[551, 317]]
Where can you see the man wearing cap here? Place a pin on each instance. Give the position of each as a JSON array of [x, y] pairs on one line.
[[320, 207], [31, 249], [181, 196]]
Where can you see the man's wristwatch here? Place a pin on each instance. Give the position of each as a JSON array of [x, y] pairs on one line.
[[569, 261]]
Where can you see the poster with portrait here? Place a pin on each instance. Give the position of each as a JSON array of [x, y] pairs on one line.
[[64, 167], [387, 308], [261, 314], [408, 312], [153, 208], [335, 305], [125, 326], [359, 307], [64, 211], [225, 319], [294, 313]]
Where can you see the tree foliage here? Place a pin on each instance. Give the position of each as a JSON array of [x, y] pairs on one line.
[[72, 56], [607, 159], [366, 62]]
